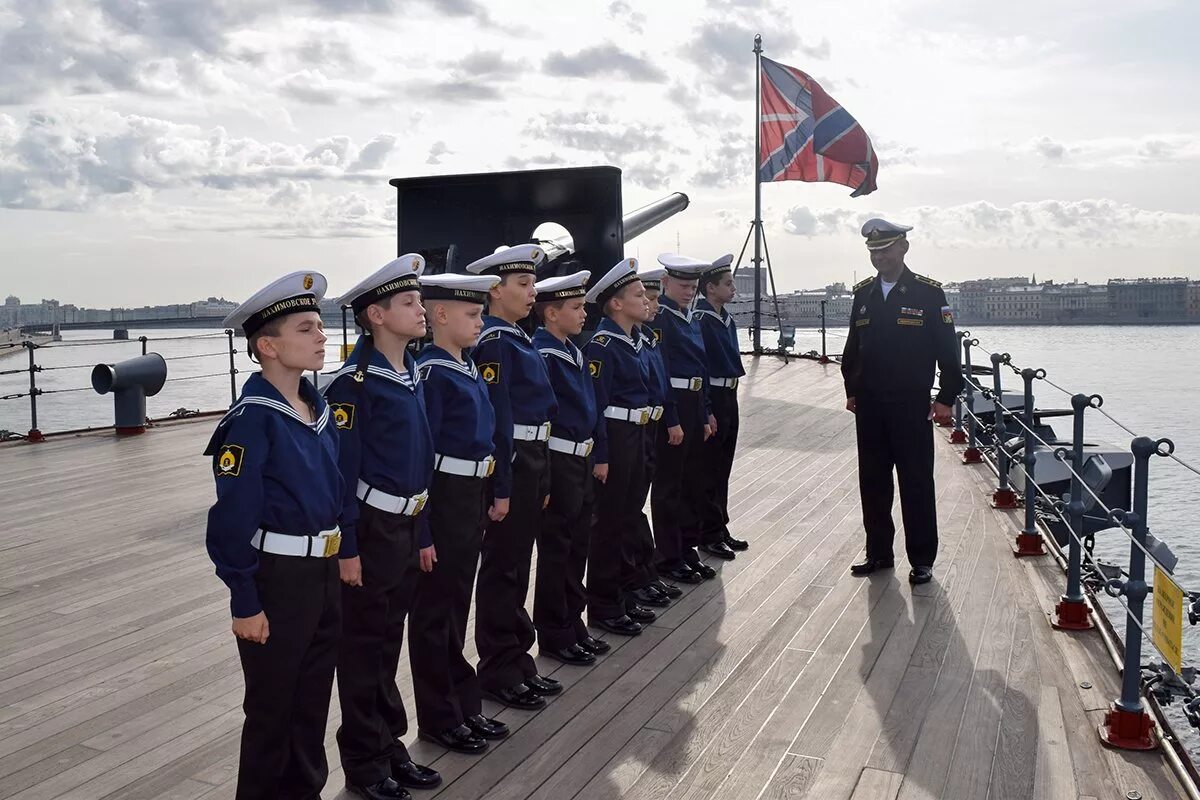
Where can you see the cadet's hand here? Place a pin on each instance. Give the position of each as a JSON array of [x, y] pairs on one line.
[[600, 471], [675, 434], [350, 570], [940, 413], [546, 503], [712, 423], [252, 629], [851, 405], [499, 509], [428, 558]]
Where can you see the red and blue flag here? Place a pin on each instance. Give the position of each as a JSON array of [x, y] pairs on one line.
[[806, 135]]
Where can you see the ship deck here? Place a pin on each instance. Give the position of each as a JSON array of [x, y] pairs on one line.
[[785, 677]]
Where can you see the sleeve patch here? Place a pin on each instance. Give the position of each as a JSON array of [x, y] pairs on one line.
[[490, 371], [228, 463], [343, 415], [947, 315], [657, 335], [594, 368]]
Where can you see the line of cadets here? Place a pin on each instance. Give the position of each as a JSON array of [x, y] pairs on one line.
[[413, 471]]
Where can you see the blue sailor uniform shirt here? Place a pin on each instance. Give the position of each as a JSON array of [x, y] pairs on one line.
[[575, 418], [518, 386], [660, 382], [385, 439], [461, 419], [273, 470], [719, 332], [619, 377], [682, 347]]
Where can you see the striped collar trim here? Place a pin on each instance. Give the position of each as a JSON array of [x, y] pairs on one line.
[[283, 408], [469, 369]]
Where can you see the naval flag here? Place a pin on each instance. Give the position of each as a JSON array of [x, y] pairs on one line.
[[806, 135]]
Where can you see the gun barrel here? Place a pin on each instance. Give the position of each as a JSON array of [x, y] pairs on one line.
[[633, 224]]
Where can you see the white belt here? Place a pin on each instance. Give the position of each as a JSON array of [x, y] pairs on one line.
[[638, 416], [392, 504], [323, 545], [581, 449], [656, 413], [691, 384], [464, 467], [532, 433], [724, 383]]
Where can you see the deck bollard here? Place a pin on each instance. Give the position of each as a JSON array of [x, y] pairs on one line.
[[1004, 497], [1127, 726], [1029, 540], [958, 435], [34, 434], [1072, 612], [971, 455], [130, 382]]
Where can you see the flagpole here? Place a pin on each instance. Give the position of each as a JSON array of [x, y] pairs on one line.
[[757, 194]]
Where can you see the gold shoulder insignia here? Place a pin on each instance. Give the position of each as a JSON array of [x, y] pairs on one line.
[[601, 340], [863, 282], [343, 415], [229, 462], [930, 281]]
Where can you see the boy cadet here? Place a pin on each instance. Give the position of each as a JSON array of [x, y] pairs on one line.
[[686, 423], [272, 536], [461, 421], [520, 391], [719, 332], [619, 378], [387, 462], [559, 595]]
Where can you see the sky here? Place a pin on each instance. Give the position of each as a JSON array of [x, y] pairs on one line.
[[160, 151]]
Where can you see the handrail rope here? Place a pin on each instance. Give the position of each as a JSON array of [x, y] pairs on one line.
[[63, 391], [197, 355], [194, 377], [16, 396], [14, 371]]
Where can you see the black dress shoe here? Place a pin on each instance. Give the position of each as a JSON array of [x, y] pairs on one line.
[[649, 596], [543, 686], [596, 647], [683, 575], [735, 544], [871, 565], [919, 575], [704, 571], [461, 739], [486, 727], [621, 625], [639, 614], [519, 696], [720, 550], [574, 655], [415, 776], [669, 589], [386, 789]]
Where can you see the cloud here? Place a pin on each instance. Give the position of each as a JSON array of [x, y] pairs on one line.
[[596, 131], [489, 64], [623, 12], [436, 152], [314, 87], [723, 48], [1124, 152], [603, 60], [1049, 149], [729, 163], [535, 161]]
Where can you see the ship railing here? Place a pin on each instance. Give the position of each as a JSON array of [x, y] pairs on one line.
[[33, 368]]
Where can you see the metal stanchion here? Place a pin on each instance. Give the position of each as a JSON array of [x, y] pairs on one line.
[[971, 455], [824, 359], [958, 435], [1004, 497], [34, 435], [1029, 540], [232, 369], [1071, 613]]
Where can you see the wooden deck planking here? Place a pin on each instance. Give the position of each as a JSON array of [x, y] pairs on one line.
[[783, 678]]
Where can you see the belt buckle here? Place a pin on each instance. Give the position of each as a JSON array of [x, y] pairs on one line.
[[695, 384], [587, 449], [421, 500], [333, 543], [645, 416], [491, 467]]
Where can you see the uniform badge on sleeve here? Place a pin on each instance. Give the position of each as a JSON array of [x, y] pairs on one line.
[[343, 415], [947, 315], [657, 335], [229, 461], [490, 372], [594, 368]]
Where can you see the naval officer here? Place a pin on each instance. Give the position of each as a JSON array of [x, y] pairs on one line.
[[900, 328]]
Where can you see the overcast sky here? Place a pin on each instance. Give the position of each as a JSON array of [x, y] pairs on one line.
[[156, 151]]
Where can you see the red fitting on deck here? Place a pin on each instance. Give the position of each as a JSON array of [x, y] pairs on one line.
[[946, 424], [35, 435], [1128, 730], [1004, 498], [958, 437], [1072, 615], [824, 360], [133, 431], [1028, 544], [972, 456]]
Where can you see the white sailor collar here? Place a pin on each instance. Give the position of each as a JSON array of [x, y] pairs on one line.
[[379, 366], [705, 307], [258, 391], [493, 324], [549, 345], [612, 330], [434, 356], [667, 304]]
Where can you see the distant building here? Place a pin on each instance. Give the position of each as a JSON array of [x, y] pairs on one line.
[[972, 295], [1193, 308], [1074, 301], [1019, 303], [1148, 298]]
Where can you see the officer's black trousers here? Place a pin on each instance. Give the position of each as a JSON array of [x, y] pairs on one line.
[[289, 679], [562, 543], [373, 716], [896, 433], [674, 497], [638, 569], [718, 453], [504, 632], [444, 682], [615, 516]]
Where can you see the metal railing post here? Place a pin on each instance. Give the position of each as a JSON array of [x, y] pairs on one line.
[[958, 435], [971, 455], [1003, 497], [1072, 612], [143, 340], [1029, 540], [232, 368], [824, 359], [34, 435]]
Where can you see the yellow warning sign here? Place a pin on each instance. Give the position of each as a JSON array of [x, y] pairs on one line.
[[1168, 619]]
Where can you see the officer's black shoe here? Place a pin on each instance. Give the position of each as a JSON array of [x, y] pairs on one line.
[[871, 565], [415, 776], [704, 571], [639, 614], [621, 625], [574, 655], [669, 589], [519, 696], [543, 686], [720, 550], [683, 575], [596, 647], [461, 739], [735, 544], [386, 789], [486, 727], [919, 575], [649, 596]]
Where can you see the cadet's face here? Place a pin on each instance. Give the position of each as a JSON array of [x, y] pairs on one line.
[[573, 316], [514, 296], [651, 304], [678, 290], [464, 322], [405, 316], [723, 291], [300, 343]]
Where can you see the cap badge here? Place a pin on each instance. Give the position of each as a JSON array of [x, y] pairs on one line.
[[308, 282]]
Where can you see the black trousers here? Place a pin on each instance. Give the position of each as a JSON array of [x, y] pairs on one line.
[[615, 516], [289, 679], [373, 716], [504, 632], [896, 433], [675, 494], [638, 555], [717, 454], [562, 546], [445, 684]]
